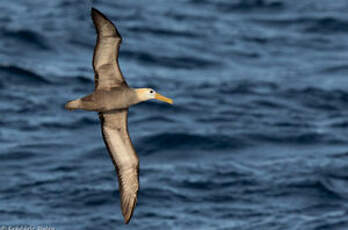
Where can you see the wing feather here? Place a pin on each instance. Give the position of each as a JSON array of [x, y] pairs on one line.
[[105, 58], [121, 150]]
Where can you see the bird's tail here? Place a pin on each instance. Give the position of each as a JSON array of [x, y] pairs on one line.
[[72, 105]]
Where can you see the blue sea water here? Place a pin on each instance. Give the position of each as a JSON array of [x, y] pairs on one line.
[[257, 137]]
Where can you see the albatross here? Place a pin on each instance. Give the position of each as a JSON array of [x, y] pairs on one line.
[[111, 99]]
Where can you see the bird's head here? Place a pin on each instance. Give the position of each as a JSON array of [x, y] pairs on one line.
[[145, 94]]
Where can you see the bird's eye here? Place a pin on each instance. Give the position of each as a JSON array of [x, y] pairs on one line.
[[151, 91]]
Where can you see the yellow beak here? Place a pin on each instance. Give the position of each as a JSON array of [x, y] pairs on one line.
[[163, 98]]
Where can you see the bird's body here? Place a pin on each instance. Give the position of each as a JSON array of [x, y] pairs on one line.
[[106, 100], [111, 98]]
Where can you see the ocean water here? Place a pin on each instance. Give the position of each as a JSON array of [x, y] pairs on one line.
[[257, 137]]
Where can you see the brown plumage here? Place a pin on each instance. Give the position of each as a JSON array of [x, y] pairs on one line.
[[111, 98], [116, 138]]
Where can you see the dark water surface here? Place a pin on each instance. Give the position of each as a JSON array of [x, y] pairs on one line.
[[257, 138]]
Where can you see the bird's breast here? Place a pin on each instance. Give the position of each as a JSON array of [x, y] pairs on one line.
[[108, 100]]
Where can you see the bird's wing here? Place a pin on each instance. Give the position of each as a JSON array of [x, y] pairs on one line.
[[117, 140], [105, 58]]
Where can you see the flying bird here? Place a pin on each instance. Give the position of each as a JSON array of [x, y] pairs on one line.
[[111, 99]]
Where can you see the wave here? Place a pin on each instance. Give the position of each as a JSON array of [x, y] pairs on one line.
[[249, 5], [85, 121], [302, 138], [187, 62], [163, 32], [21, 76], [336, 186], [246, 87], [312, 97], [181, 141], [162, 193], [21, 213], [154, 119], [336, 69], [244, 5], [63, 168], [321, 99], [327, 24], [17, 155], [309, 24], [28, 37], [340, 155], [182, 16]]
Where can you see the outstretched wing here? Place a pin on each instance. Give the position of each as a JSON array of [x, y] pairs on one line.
[[105, 58], [117, 140]]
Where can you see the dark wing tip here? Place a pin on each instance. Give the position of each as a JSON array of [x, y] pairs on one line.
[[128, 186], [94, 10], [99, 20], [96, 13], [128, 205], [98, 17]]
